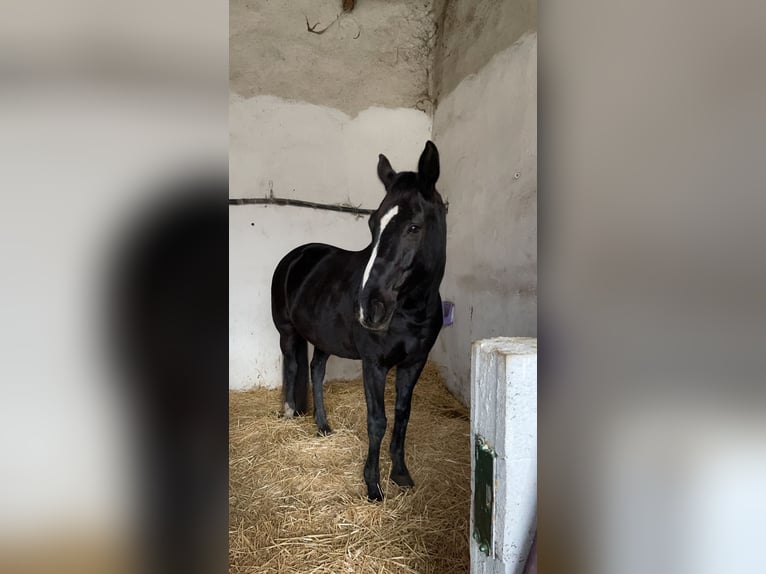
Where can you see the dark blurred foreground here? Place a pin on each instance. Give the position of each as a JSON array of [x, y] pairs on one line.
[[114, 235], [169, 317]]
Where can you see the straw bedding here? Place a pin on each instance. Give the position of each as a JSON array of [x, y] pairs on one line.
[[298, 503]]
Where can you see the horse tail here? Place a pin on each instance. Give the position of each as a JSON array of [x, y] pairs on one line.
[[302, 377]]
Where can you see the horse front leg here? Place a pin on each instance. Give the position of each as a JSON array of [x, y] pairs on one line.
[[374, 385], [406, 377]]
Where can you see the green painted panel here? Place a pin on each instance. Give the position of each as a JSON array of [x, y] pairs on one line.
[[484, 495]]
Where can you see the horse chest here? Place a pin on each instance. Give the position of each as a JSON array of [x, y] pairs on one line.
[[404, 341]]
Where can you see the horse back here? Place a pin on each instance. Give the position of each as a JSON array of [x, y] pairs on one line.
[[312, 292]]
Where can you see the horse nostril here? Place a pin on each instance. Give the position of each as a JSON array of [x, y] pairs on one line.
[[378, 310]]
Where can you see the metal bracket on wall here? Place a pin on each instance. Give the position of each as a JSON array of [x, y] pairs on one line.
[[483, 495]]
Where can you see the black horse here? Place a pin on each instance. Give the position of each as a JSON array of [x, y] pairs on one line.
[[380, 305]]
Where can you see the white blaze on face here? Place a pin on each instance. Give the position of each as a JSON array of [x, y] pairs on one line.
[[384, 221]]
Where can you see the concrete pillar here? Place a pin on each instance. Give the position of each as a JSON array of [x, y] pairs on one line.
[[504, 416]]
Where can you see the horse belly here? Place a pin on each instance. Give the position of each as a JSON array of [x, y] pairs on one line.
[[328, 332]]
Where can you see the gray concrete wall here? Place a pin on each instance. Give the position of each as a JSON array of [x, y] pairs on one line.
[[471, 32], [376, 55], [486, 130]]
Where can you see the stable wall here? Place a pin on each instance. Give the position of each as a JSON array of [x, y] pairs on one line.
[[309, 114], [486, 131], [379, 54], [309, 152]]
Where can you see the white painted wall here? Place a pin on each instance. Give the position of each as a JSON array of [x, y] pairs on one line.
[[308, 152], [318, 153], [484, 126], [486, 132], [504, 415]]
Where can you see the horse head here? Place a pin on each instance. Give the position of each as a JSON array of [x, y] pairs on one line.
[[409, 238]]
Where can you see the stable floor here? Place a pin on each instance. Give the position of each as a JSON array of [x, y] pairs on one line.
[[298, 503]]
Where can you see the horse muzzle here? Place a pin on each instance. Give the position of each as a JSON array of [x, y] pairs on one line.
[[376, 315]]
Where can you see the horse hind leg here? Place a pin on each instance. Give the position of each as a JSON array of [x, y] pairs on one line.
[[295, 375], [289, 372], [318, 364]]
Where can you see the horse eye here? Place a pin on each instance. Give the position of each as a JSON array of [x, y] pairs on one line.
[[413, 229]]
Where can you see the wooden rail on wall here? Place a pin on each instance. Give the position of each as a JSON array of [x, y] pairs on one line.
[[300, 203]]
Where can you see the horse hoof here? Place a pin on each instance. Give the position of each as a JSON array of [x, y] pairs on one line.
[[289, 412], [324, 431], [402, 480], [374, 494]]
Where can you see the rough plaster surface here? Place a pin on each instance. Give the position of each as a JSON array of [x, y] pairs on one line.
[[471, 32], [318, 153], [308, 152], [486, 131], [309, 114], [271, 52], [504, 414], [258, 238]]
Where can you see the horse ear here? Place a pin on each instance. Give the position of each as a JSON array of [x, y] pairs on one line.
[[428, 166], [385, 172]]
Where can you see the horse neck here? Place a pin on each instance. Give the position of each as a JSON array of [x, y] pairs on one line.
[[426, 288]]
